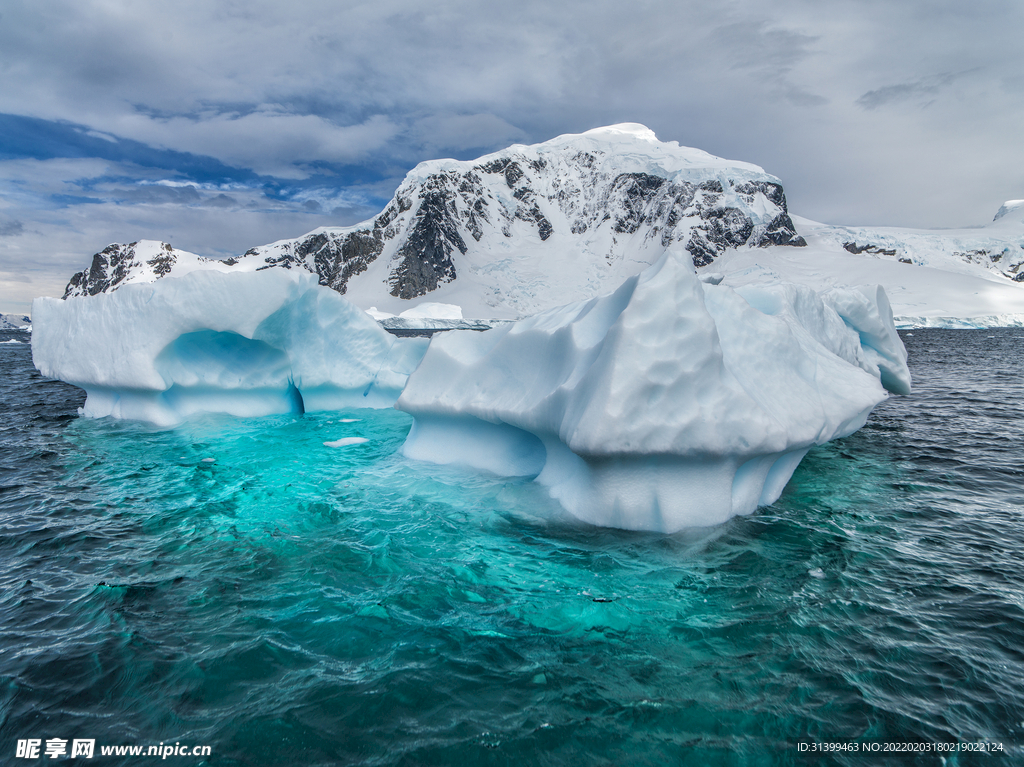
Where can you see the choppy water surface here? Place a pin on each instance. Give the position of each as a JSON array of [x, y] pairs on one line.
[[290, 603]]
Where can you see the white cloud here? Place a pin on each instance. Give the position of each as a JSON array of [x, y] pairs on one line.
[[440, 132], [268, 141]]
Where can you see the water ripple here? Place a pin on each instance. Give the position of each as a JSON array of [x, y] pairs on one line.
[[287, 603]]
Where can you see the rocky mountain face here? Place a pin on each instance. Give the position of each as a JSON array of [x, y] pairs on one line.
[[448, 209], [117, 264], [616, 196]]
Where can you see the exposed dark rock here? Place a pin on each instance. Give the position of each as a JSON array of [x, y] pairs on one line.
[[334, 258], [162, 263], [426, 255], [856, 249], [108, 268], [637, 191], [781, 232], [507, 166], [701, 251]]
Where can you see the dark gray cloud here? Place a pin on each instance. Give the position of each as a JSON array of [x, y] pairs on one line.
[[924, 90], [11, 228], [153, 194], [221, 201]]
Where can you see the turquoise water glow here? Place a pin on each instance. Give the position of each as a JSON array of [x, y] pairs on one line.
[[291, 603]]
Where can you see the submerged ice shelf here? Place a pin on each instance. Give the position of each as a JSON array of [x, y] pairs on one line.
[[671, 402]]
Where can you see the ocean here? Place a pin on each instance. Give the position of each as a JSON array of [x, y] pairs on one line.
[[236, 586]]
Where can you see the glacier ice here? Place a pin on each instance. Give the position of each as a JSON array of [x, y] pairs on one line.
[[670, 403], [245, 344]]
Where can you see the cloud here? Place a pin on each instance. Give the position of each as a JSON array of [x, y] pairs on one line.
[[267, 140], [177, 195], [102, 136], [439, 132], [221, 201], [10, 227], [923, 90]]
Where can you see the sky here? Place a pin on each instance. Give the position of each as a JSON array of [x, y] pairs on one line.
[[218, 125]]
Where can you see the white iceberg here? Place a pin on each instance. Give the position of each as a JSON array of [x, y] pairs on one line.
[[246, 344], [670, 403]]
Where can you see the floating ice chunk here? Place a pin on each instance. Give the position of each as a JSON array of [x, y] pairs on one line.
[[247, 344], [670, 403], [349, 420], [344, 441], [208, 460]]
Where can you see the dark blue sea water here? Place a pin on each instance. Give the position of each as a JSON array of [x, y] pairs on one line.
[[286, 603]]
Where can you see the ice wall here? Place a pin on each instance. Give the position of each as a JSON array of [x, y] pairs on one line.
[[246, 344], [668, 404]]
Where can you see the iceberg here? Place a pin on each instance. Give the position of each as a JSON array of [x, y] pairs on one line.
[[670, 403], [246, 344], [675, 401]]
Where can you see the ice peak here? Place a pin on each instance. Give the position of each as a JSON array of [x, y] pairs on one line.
[[636, 130], [1010, 206]]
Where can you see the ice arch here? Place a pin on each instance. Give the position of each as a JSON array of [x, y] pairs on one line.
[[222, 371], [246, 344]]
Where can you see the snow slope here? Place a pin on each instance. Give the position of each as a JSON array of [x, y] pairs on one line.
[[996, 248], [670, 403]]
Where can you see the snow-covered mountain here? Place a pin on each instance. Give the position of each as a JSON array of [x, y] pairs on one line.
[[513, 232], [15, 322], [143, 261]]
